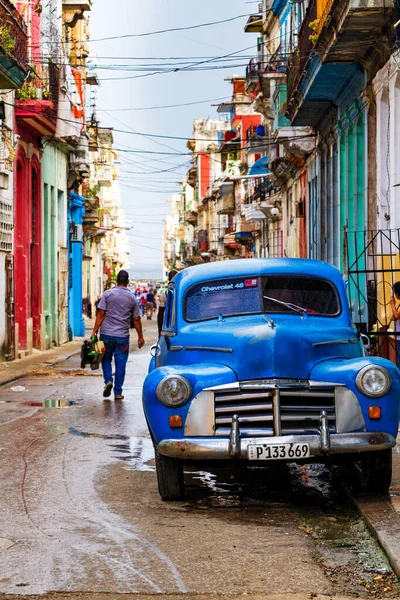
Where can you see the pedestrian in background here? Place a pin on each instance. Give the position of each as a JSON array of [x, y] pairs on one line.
[[117, 310], [162, 300], [143, 299], [396, 317], [150, 304]]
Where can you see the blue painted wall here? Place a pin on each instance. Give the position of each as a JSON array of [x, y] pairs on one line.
[[76, 211]]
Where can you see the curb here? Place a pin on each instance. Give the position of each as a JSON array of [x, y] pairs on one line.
[[384, 523], [24, 371]]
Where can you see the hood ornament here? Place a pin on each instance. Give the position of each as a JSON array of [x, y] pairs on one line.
[[270, 322]]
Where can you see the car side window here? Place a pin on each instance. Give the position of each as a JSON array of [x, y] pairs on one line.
[[169, 316]]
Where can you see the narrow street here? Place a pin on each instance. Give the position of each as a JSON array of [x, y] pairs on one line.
[[81, 510]]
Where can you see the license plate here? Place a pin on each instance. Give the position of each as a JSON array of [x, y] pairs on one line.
[[278, 451]]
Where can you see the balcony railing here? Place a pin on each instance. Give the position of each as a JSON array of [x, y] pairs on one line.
[[12, 21], [252, 71], [307, 40], [277, 63]]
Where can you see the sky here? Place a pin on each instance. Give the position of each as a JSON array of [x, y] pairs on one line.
[[148, 180]]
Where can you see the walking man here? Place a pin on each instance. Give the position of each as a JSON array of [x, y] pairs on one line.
[[117, 309]]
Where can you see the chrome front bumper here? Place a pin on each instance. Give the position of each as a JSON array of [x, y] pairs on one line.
[[194, 448]]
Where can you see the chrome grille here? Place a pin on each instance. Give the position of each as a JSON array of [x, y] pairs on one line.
[[301, 409], [274, 410], [254, 409]]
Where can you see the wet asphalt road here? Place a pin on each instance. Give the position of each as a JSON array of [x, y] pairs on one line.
[[80, 511]]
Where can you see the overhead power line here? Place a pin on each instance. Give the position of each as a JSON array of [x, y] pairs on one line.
[[170, 30]]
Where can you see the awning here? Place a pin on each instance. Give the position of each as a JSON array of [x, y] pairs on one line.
[[260, 167]]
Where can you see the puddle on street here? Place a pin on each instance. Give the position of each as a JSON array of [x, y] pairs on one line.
[[52, 403], [137, 453], [312, 498], [104, 436]]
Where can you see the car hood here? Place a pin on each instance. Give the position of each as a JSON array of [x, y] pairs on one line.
[[256, 349]]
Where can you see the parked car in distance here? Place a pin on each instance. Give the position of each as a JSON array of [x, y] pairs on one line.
[[259, 361]]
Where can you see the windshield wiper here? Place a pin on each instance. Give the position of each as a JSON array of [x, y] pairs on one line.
[[289, 305]]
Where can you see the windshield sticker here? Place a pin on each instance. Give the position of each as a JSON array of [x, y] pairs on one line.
[[234, 285]]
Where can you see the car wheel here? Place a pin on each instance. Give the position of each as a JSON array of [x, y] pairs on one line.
[[376, 471], [169, 477]]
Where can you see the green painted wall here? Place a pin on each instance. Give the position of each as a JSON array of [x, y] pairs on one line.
[[279, 99], [352, 187], [54, 181]]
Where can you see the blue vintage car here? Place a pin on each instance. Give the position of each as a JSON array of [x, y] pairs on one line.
[[259, 360]]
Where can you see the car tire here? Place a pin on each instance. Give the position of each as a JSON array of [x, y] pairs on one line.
[[169, 477], [376, 471]]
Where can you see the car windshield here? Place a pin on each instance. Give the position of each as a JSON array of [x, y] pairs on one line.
[[271, 295], [308, 294], [223, 297]]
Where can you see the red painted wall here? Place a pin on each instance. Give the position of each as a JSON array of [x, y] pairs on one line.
[[28, 247], [205, 174]]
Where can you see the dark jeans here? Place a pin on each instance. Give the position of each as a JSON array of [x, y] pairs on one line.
[[160, 318], [119, 348]]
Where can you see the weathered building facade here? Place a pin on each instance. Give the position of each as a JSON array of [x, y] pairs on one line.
[[47, 231], [325, 84]]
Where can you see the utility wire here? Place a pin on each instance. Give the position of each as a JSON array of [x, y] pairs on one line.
[[170, 30]]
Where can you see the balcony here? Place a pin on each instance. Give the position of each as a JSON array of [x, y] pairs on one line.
[[37, 101], [252, 78], [13, 47], [337, 45], [104, 175], [230, 241], [255, 22], [300, 142], [225, 204], [192, 175], [273, 69], [231, 142], [252, 213], [191, 217], [256, 140]]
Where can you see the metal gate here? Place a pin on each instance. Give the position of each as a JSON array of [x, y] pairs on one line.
[[373, 266]]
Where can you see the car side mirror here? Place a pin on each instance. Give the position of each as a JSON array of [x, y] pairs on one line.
[[155, 350], [366, 341]]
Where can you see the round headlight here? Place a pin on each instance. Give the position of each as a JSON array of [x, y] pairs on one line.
[[174, 390], [373, 381]]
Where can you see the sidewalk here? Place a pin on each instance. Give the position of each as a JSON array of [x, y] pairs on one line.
[[10, 371], [382, 514]]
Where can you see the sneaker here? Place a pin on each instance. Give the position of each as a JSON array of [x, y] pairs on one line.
[[107, 389], [118, 397]]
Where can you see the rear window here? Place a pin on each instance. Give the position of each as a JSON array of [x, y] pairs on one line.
[[223, 297], [269, 295]]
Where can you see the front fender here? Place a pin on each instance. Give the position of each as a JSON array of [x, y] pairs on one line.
[[200, 376], [339, 370]]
